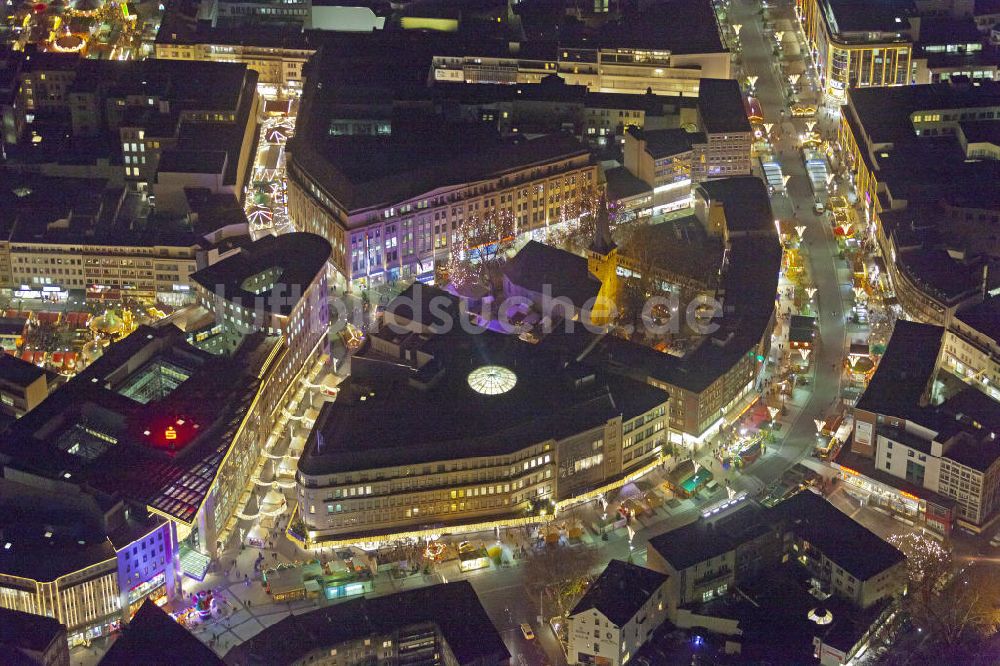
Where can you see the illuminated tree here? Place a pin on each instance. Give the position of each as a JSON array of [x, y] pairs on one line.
[[951, 606], [480, 247], [563, 571]]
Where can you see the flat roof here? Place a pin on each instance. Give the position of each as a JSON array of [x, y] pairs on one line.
[[983, 317], [978, 452], [720, 105], [446, 419], [668, 142], [121, 445], [421, 154], [904, 371], [621, 184], [17, 372], [745, 200], [192, 161], [867, 15], [620, 591], [272, 273], [454, 608], [677, 26]]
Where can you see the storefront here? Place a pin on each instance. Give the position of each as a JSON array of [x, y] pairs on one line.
[[106, 627], [155, 588], [933, 511]]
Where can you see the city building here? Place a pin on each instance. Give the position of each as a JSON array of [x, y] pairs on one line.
[[917, 451], [69, 234], [156, 126], [443, 624], [839, 581], [472, 450], [711, 381], [154, 637], [390, 204], [276, 286], [971, 346], [84, 557], [666, 47], [23, 385], [918, 156], [858, 45], [32, 639], [617, 615], [178, 431], [267, 37], [952, 47]]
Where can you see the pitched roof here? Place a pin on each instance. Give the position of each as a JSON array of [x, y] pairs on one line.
[[537, 267], [849, 544], [153, 637], [620, 591], [28, 631]]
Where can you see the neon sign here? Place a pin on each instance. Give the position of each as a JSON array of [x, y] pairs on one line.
[[170, 433]]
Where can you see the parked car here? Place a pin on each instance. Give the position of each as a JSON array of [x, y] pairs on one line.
[[529, 635]]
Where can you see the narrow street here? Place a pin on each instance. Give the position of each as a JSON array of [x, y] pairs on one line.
[[829, 274]]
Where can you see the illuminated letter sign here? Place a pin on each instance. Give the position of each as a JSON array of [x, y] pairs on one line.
[[170, 433]]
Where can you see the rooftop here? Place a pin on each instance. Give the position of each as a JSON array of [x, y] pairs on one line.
[[866, 15], [704, 539], [677, 26], [745, 200], [667, 142], [272, 273], [720, 105], [903, 374], [538, 267], [809, 516], [98, 435], [146, 638], [447, 418], [855, 548], [17, 372], [622, 185], [453, 608], [28, 631], [983, 317], [620, 591]]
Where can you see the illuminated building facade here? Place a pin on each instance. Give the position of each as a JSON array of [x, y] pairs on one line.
[[471, 449], [62, 234], [390, 204], [919, 159], [82, 557], [857, 45], [938, 452]]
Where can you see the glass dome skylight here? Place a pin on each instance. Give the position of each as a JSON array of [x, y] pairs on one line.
[[492, 380]]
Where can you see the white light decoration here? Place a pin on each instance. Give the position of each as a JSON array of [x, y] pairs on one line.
[[492, 380], [820, 616]]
